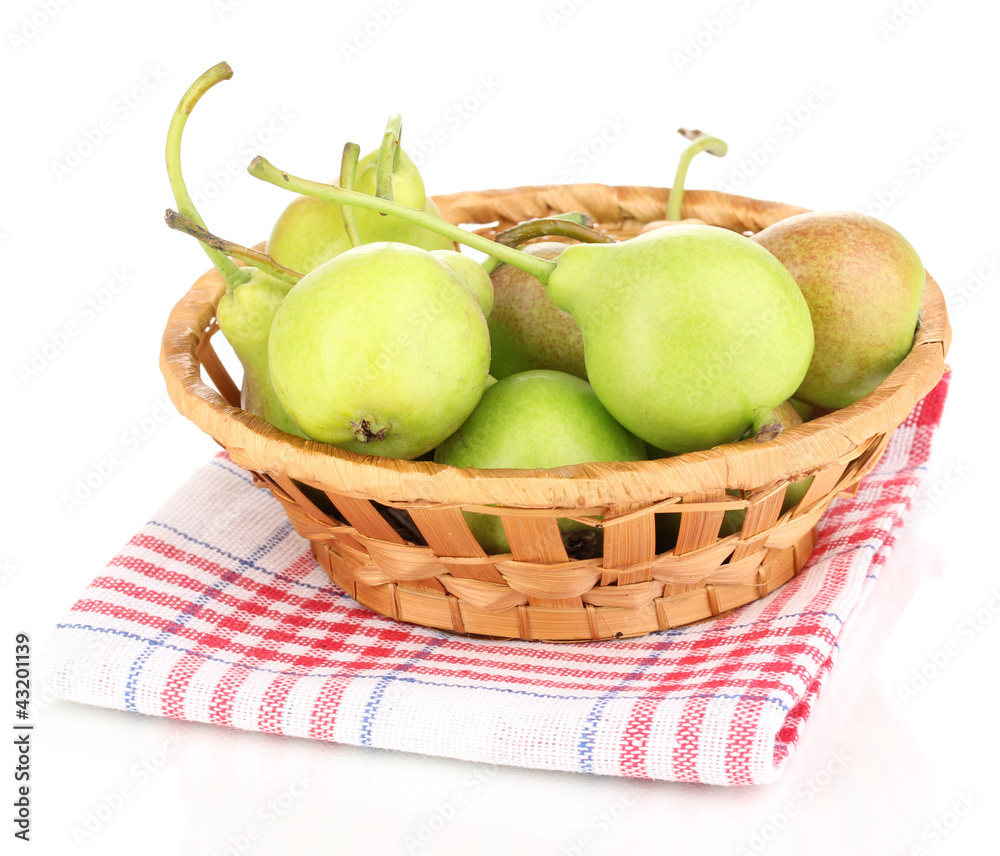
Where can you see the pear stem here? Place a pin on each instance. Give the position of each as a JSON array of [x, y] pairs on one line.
[[230, 272], [541, 269], [562, 226], [575, 225], [702, 142], [766, 425], [348, 171], [387, 157], [259, 260]]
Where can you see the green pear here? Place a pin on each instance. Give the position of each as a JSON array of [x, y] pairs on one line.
[[472, 274], [535, 419], [382, 350], [805, 411], [863, 282], [689, 332], [668, 525], [245, 315], [788, 416], [654, 453], [527, 330], [311, 231], [407, 189], [246, 310], [307, 233]]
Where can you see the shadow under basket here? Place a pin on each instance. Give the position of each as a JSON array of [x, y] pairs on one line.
[[391, 533]]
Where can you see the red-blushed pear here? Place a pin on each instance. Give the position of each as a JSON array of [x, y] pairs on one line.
[[863, 282], [527, 330]]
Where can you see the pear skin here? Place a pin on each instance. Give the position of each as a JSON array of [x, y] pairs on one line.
[[311, 231], [381, 350], [407, 189], [732, 522], [535, 419], [307, 233], [527, 329], [863, 282], [688, 331], [789, 414], [245, 315], [471, 274]]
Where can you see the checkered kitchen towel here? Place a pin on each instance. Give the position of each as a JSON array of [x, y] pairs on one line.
[[216, 612]]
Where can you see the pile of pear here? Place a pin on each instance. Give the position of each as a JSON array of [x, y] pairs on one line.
[[364, 327]]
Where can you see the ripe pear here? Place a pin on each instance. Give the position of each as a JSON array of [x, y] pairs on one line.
[[407, 189], [470, 273], [689, 332], [245, 314], [863, 282], [246, 310], [668, 525], [311, 231], [534, 419], [307, 233], [788, 416], [527, 330], [382, 350]]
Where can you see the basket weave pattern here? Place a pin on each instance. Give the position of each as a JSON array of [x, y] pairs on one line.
[[392, 534]]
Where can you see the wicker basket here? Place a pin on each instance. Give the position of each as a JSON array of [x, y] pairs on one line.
[[392, 535]]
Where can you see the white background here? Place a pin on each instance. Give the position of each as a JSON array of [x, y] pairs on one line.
[[886, 107]]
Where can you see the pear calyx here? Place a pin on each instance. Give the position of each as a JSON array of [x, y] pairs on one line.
[[366, 432]]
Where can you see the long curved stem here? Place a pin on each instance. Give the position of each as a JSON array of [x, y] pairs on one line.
[[387, 157], [701, 142], [348, 170], [541, 269], [259, 260], [566, 226], [232, 274]]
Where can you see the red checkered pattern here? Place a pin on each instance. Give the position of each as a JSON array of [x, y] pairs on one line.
[[216, 612]]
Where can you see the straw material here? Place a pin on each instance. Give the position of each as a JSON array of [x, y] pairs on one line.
[[391, 533]]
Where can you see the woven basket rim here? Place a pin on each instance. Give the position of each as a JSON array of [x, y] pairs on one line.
[[258, 446]]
